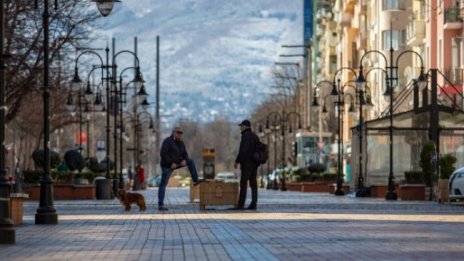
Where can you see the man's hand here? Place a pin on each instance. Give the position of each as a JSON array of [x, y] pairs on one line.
[[183, 163], [235, 165], [173, 165]]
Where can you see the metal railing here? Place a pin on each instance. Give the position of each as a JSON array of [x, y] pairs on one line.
[[452, 15]]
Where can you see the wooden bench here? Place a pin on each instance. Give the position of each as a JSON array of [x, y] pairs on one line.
[[194, 193]]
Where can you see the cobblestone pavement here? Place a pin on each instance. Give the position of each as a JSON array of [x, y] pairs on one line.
[[287, 226]]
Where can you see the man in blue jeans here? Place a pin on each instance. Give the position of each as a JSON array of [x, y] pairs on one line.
[[173, 156]]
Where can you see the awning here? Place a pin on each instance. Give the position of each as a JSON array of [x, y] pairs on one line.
[[451, 90]]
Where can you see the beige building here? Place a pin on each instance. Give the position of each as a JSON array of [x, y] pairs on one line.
[[356, 28]]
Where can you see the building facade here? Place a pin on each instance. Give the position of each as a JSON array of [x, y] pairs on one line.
[[408, 35]]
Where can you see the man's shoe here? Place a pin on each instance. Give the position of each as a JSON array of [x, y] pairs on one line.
[[197, 183], [162, 208], [251, 207]]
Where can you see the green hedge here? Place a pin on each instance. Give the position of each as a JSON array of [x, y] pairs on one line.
[[311, 177], [414, 177], [447, 166]]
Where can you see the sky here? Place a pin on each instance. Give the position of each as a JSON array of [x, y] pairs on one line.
[[210, 50]]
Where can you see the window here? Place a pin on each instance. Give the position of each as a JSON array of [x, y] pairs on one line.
[[354, 53], [393, 5], [428, 63], [398, 39], [456, 54], [461, 47], [333, 64], [440, 59]]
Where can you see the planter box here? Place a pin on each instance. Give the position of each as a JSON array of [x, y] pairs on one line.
[[443, 190], [64, 192], [379, 191], [332, 187], [218, 193], [412, 191], [16, 207]]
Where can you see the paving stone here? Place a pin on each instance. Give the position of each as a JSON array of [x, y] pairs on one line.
[[287, 226]]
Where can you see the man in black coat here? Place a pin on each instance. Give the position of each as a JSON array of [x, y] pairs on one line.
[[248, 167], [173, 156]]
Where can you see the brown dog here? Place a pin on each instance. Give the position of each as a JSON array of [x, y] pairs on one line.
[[129, 198]]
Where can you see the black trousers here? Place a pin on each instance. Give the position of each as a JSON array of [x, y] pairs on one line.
[[248, 174]]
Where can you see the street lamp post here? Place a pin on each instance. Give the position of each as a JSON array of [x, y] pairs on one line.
[[283, 184], [261, 135], [140, 95], [337, 92], [339, 103], [46, 213], [105, 6], [275, 125], [315, 106], [116, 94], [7, 230], [392, 80], [138, 84], [287, 124], [137, 124], [77, 85], [361, 190], [280, 121]]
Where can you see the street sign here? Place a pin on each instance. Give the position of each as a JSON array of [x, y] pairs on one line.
[[101, 145], [101, 150]]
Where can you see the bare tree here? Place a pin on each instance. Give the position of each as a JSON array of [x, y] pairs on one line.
[[69, 28]]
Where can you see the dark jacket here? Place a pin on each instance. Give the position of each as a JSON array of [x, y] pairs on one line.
[[172, 151], [247, 147]]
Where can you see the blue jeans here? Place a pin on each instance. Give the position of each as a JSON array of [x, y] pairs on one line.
[[166, 174]]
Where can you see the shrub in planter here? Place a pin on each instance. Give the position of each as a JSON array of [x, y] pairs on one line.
[[447, 165], [329, 177], [32, 176], [301, 174], [414, 177], [38, 157], [93, 164], [74, 160], [316, 168], [96, 167], [65, 178], [427, 162]]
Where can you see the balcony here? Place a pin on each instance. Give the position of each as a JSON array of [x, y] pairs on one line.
[[344, 19], [452, 18], [349, 5], [415, 32]]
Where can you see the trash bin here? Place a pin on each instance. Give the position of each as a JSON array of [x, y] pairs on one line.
[[103, 188]]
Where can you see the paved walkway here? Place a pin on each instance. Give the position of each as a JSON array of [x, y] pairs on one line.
[[286, 226]]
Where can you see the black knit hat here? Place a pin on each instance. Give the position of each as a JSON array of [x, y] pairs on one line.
[[245, 123]]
